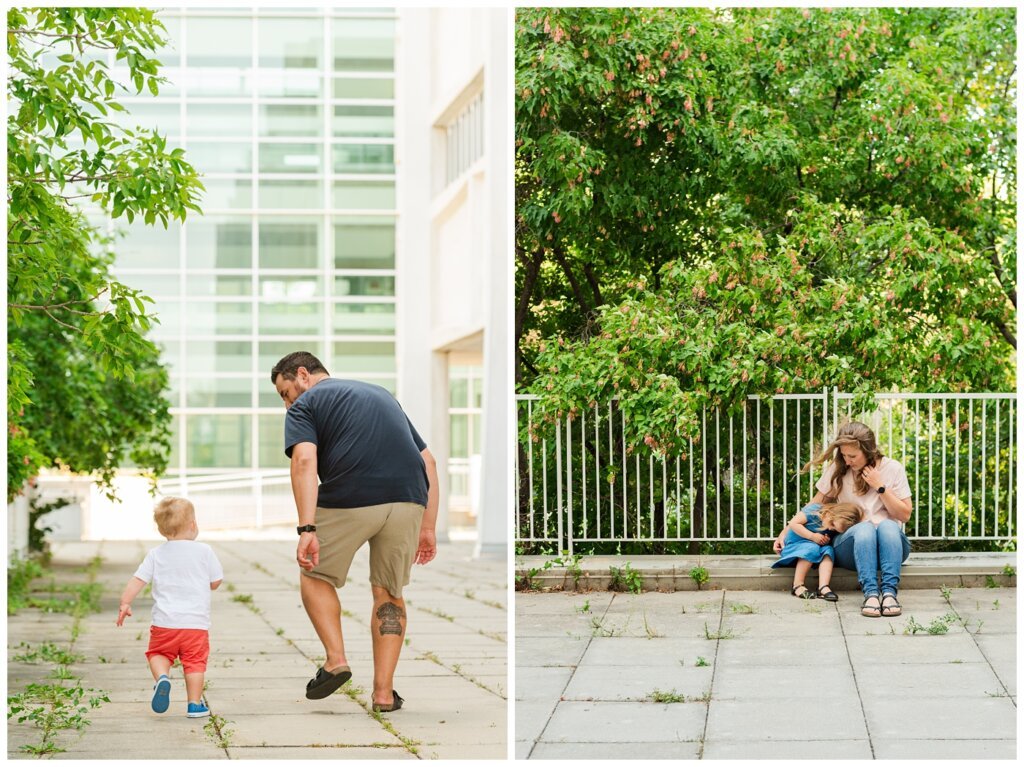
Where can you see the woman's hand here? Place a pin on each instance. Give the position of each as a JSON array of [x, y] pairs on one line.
[[872, 476]]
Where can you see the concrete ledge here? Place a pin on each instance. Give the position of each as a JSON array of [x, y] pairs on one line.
[[754, 572]]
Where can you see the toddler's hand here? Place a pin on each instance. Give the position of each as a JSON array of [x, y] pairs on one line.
[[821, 539], [125, 611]]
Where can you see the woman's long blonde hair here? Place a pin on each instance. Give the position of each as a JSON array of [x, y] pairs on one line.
[[852, 433]]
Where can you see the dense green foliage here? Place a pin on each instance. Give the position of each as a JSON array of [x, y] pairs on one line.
[[718, 203], [85, 387]]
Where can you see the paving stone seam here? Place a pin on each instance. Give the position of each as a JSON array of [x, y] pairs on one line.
[[856, 682], [572, 673], [981, 651], [711, 684]]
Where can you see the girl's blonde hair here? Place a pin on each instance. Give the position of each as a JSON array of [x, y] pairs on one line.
[[852, 433], [172, 515], [850, 513]]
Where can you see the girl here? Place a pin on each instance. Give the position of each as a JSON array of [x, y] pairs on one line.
[[808, 543]]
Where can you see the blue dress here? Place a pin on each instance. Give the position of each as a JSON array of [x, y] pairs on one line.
[[795, 547]]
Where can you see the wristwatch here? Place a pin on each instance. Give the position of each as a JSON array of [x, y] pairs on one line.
[[305, 529], [881, 489]]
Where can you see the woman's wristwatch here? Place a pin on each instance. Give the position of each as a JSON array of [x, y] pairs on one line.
[[305, 529], [881, 489]]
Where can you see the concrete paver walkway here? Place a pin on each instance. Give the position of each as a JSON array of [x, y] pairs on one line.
[[453, 672], [762, 675]]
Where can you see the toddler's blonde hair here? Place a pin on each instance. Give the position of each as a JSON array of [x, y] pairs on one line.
[[850, 513], [172, 515]]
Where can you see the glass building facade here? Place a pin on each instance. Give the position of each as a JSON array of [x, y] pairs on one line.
[[289, 114]]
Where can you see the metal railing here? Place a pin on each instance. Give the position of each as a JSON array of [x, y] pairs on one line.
[[580, 481]]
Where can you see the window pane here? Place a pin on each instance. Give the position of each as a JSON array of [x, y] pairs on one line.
[[364, 357], [459, 436], [364, 243], [219, 441], [364, 195], [299, 83], [271, 353], [290, 158], [291, 43], [272, 440], [219, 318], [218, 392], [290, 244], [364, 121], [200, 81], [290, 120], [168, 54], [291, 319], [220, 356], [364, 319], [458, 392], [372, 285], [168, 319], [221, 120], [226, 193], [170, 355], [364, 158], [290, 195], [364, 45], [280, 287], [364, 88], [218, 242], [146, 246], [162, 117], [219, 41], [175, 457], [220, 157], [156, 284], [203, 285]]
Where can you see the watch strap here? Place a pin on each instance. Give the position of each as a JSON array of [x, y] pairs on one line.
[[305, 529]]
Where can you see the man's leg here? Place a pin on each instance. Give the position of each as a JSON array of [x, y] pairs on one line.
[[857, 549], [387, 628], [320, 599]]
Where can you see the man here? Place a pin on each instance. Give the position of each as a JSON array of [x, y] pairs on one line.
[[378, 483]]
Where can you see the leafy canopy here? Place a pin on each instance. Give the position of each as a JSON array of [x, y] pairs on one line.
[[716, 203], [85, 387]]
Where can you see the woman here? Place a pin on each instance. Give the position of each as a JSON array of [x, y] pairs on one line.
[[860, 474]]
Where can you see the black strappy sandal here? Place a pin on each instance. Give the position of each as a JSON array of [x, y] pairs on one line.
[[805, 594], [828, 596], [871, 611], [890, 606]]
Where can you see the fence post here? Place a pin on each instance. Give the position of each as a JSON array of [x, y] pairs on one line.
[[558, 479]]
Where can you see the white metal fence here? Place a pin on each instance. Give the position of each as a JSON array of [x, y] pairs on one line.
[[581, 482]]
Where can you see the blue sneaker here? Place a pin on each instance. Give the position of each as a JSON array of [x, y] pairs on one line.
[[161, 694], [196, 710]]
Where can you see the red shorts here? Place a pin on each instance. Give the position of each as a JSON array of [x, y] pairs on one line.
[[191, 645]]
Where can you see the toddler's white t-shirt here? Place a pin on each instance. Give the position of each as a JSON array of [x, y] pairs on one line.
[[181, 573]]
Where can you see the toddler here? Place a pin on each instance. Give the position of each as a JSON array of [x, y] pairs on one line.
[[808, 542], [183, 572]]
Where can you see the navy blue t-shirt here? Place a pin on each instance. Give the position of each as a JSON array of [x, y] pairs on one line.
[[367, 451]]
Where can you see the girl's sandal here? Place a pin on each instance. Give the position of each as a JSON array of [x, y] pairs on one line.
[[871, 611], [890, 606], [828, 596], [805, 594]]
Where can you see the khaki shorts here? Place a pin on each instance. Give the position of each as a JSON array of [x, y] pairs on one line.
[[393, 530]]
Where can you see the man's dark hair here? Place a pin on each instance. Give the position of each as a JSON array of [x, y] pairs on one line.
[[289, 365]]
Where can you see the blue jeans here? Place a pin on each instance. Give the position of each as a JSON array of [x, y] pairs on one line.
[[868, 549]]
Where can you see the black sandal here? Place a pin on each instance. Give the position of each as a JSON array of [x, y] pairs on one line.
[[805, 594], [384, 707], [828, 596], [326, 682], [892, 608], [869, 611]]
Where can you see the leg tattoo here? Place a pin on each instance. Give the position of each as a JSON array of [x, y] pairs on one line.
[[390, 616]]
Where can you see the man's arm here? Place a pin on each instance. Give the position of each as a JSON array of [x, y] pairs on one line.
[[427, 548], [304, 489]]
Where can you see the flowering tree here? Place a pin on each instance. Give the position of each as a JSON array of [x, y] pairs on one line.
[[712, 204], [85, 387]]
